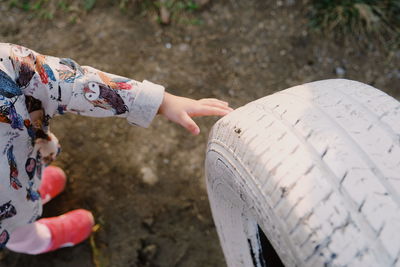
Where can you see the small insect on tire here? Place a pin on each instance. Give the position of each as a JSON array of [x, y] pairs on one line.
[[308, 176]]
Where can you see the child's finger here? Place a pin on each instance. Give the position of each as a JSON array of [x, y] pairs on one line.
[[213, 100], [187, 122], [218, 105], [209, 111]]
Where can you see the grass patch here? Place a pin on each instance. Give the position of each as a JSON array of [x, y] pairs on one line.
[[99, 260], [174, 10], [47, 9], [362, 19]]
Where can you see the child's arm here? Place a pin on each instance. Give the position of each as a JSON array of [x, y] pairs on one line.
[[181, 109], [55, 85]]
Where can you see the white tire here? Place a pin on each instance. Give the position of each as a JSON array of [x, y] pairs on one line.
[[317, 168]]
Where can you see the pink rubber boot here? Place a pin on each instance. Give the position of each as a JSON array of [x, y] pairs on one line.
[[53, 183], [68, 229]]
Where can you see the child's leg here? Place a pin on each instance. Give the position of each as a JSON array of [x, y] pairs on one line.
[[32, 238], [49, 234]]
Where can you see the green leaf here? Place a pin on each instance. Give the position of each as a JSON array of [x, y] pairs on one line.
[[89, 4], [192, 6], [26, 6]]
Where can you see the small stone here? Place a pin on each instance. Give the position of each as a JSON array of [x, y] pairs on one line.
[[184, 47], [168, 45], [150, 251], [148, 176], [200, 217], [340, 71], [165, 161], [149, 221]]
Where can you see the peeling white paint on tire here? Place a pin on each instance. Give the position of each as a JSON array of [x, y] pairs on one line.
[[317, 167]]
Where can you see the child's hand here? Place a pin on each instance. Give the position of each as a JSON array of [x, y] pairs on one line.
[[181, 109]]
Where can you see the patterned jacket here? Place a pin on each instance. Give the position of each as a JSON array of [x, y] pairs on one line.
[[34, 88]]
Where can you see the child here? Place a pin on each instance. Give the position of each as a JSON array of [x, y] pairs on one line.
[[34, 88]]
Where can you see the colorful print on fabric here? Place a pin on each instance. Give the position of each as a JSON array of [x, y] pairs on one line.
[[16, 119], [116, 82], [14, 182], [49, 72], [39, 69], [66, 75], [25, 76], [4, 237], [30, 167], [79, 71], [39, 165], [32, 195], [4, 114], [44, 70], [8, 87], [7, 210], [32, 104], [104, 97], [62, 109], [22, 60], [9, 115]]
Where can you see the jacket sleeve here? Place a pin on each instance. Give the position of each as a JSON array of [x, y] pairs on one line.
[[61, 85]]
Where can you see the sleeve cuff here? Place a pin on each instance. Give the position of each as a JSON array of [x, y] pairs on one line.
[[146, 104]]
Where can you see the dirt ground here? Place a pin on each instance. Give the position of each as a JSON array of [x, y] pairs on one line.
[[242, 51]]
